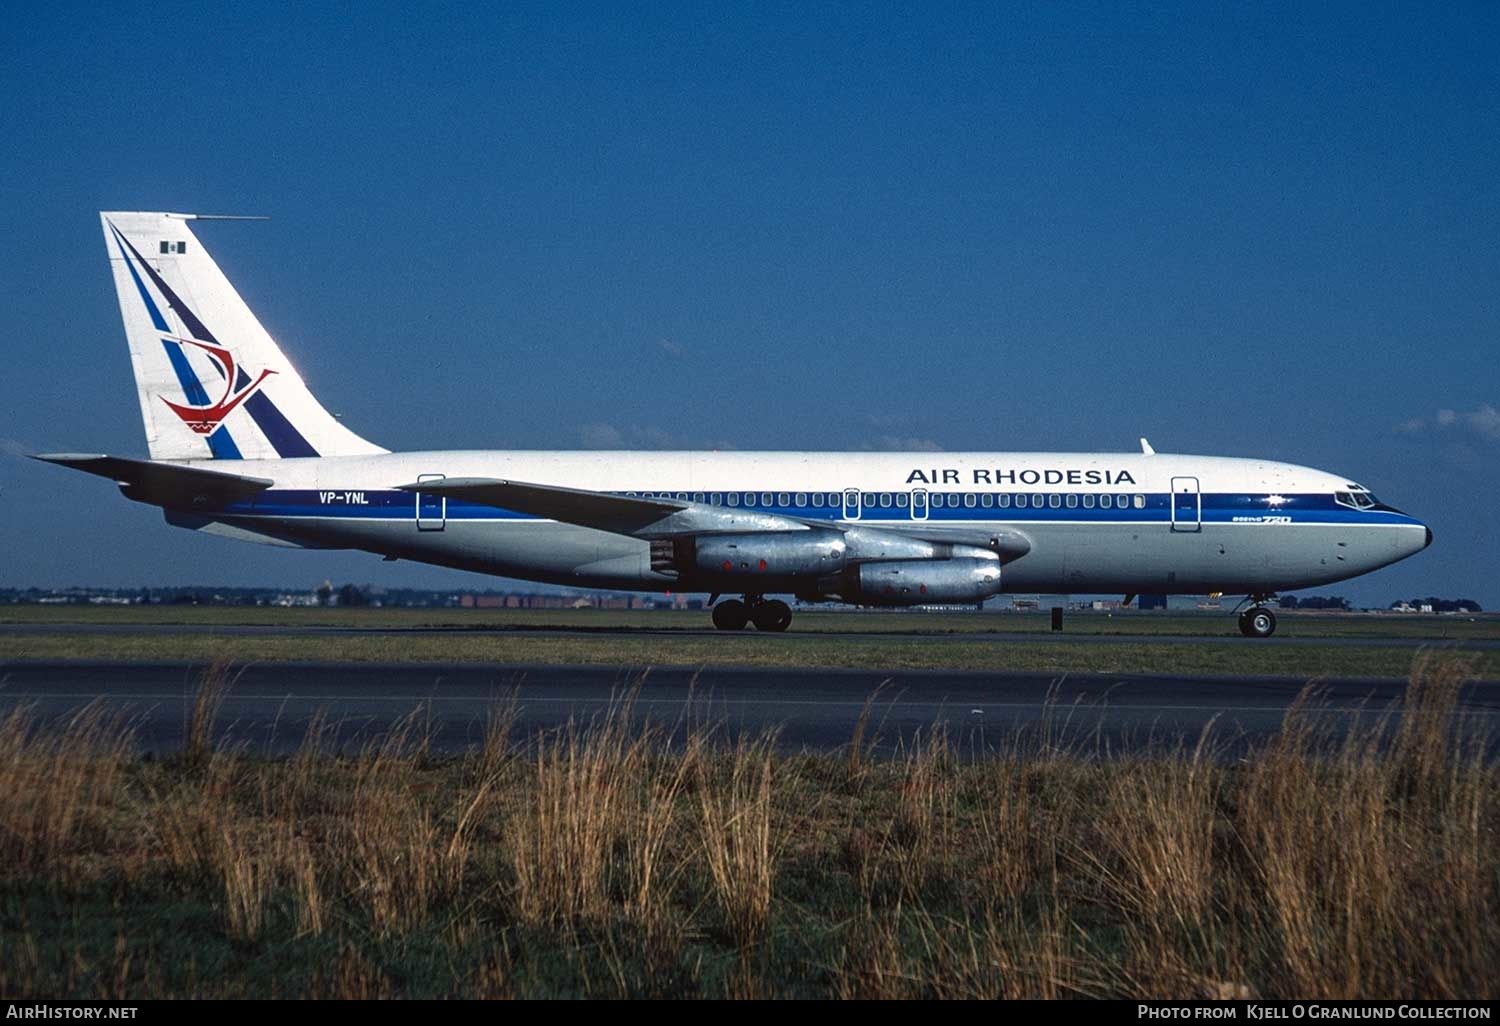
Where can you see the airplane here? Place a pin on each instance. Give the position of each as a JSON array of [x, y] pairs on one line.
[[239, 447]]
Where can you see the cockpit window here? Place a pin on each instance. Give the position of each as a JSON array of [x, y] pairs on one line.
[[1356, 498]]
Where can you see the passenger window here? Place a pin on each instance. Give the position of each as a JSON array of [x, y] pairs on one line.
[[1003, 499], [867, 500], [1036, 501], [885, 499], [1140, 502], [935, 500], [1072, 500], [801, 500], [734, 498], [682, 496], [1054, 500], [714, 498], [817, 500], [900, 500], [1088, 501], [783, 499], [765, 500], [969, 499], [986, 500], [697, 496]]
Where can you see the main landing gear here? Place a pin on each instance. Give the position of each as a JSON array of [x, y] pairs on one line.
[[1258, 621], [767, 615]]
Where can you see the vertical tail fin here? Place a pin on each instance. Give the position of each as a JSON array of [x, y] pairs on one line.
[[212, 383]]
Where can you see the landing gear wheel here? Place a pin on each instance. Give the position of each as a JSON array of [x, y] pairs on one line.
[[731, 615], [774, 615], [1259, 622]]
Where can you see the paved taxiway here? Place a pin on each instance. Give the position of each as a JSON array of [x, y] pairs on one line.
[[271, 705], [1230, 637]]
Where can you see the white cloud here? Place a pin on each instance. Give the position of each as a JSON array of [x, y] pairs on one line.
[[666, 345], [1482, 423], [1485, 422], [600, 435]]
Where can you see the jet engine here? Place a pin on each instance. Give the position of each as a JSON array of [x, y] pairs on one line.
[[919, 582], [860, 565], [778, 554]]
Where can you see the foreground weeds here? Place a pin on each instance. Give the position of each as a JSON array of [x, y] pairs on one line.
[[621, 857]]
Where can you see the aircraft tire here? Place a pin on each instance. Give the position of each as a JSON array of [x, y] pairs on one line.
[[774, 615], [731, 615], [1259, 622]]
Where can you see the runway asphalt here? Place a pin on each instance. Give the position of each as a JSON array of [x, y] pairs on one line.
[[998, 637], [270, 706]]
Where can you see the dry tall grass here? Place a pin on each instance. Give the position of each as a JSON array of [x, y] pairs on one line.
[[618, 857], [1373, 873], [207, 702], [58, 786], [586, 787], [734, 798]]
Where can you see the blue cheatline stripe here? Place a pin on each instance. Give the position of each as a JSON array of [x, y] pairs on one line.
[[397, 505], [220, 443], [279, 431]]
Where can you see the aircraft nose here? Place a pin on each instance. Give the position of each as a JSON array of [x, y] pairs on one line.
[[1429, 538]]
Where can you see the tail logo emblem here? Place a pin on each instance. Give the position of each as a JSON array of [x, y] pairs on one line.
[[205, 419]]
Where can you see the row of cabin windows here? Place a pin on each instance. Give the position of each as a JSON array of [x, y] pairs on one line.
[[901, 500]]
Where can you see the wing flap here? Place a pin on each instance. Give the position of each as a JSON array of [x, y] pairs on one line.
[[619, 514]]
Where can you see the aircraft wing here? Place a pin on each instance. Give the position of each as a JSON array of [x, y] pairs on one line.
[[164, 484], [620, 514]]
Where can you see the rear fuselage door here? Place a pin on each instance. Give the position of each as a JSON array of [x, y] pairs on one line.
[[1187, 505]]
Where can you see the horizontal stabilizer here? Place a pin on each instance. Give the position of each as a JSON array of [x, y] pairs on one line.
[[163, 484]]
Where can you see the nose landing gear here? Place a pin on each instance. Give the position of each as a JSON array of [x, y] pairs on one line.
[[767, 615]]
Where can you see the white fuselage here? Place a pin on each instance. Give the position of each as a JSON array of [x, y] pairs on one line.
[[1085, 522]]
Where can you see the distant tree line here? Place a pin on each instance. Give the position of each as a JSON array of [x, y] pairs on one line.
[[348, 595], [1315, 602], [1442, 605]]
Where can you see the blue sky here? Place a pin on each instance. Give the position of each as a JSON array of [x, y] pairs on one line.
[[1252, 230]]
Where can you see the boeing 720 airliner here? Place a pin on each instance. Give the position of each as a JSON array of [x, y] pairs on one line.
[[239, 447]]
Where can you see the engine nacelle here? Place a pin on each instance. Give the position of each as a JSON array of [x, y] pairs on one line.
[[920, 582], [762, 554]]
